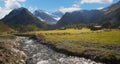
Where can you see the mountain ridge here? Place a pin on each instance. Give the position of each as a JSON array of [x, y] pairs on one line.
[[109, 14], [22, 17], [42, 15]]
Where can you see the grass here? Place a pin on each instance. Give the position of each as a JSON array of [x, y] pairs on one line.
[[82, 35], [101, 45], [4, 29]]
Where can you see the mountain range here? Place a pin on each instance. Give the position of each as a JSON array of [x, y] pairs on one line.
[[44, 16], [22, 19], [82, 16], [110, 14]]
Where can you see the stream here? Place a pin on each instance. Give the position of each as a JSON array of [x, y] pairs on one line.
[[41, 54]]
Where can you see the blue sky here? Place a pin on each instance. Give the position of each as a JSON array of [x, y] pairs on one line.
[[53, 5]]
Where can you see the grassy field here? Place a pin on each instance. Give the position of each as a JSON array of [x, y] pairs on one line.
[[101, 45], [105, 37]]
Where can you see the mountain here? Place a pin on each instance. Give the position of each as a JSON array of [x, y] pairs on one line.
[[82, 16], [107, 16], [112, 15], [22, 18], [5, 28], [57, 15], [44, 16]]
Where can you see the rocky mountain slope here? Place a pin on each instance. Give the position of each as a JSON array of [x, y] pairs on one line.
[[112, 15], [83, 16], [44, 16], [107, 15], [22, 18]]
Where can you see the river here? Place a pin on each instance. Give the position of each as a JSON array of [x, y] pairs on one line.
[[41, 54]]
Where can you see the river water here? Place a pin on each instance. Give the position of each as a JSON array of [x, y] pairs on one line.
[[41, 54]]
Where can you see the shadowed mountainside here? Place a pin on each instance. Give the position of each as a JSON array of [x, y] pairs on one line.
[[21, 17]]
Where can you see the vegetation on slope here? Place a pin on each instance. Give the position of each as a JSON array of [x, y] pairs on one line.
[[4, 28]]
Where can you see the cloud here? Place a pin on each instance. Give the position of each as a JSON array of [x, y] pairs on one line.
[[74, 7], [9, 5], [70, 9], [21, 0], [12, 4], [3, 12], [96, 1], [100, 8]]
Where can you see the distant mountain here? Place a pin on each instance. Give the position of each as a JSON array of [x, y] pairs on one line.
[[82, 16], [21, 17], [5, 28], [57, 15], [44, 16], [112, 15], [108, 15]]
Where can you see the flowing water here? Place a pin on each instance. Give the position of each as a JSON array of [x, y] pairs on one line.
[[41, 54]]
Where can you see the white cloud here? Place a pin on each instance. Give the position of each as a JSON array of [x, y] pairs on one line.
[[100, 8], [9, 5], [70, 9], [12, 4], [21, 0], [74, 7], [3, 12], [96, 1]]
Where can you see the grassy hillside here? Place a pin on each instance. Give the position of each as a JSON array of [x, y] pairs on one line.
[[98, 45], [4, 29]]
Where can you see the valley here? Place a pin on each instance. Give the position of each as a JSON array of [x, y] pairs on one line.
[[97, 45], [77, 37]]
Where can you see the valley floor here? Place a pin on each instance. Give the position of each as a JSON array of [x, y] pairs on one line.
[[102, 45]]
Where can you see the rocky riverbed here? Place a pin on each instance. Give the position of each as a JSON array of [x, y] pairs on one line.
[[42, 54]]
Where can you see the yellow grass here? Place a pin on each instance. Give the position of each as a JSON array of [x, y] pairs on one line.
[[82, 35]]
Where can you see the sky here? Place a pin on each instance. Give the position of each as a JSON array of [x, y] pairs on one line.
[[53, 5]]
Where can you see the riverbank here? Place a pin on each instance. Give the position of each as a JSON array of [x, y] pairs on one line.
[[10, 51]]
